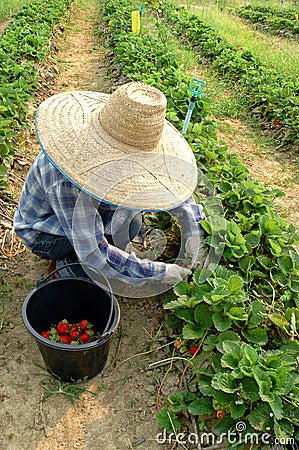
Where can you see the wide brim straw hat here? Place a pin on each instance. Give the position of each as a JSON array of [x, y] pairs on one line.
[[118, 147]]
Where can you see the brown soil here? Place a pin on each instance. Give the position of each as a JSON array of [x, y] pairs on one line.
[[121, 413], [3, 25]]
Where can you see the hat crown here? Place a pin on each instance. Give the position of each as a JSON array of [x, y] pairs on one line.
[[134, 115]]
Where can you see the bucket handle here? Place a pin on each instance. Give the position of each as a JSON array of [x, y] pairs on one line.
[[43, 280]]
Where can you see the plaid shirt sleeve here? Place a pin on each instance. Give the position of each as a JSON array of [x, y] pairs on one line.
[[83, 226], [189, 214]]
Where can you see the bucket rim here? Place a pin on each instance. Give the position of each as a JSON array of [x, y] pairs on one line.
[[75, 279]]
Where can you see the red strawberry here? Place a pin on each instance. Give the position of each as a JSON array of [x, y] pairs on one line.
[[62, 327], [65, 339], [177, 344], [83, 325], [219, 414], [276, 122], [73, 335], [45, 334], [84, 338], [74, 327], [193, 349]]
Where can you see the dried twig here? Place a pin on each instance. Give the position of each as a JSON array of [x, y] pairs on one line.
[[15, 244], [162, 382], [8, 199], [6, 217], [186, 385], [136, 355]]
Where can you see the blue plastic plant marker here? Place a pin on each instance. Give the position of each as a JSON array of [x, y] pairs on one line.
[[141, 8], [196, 88]]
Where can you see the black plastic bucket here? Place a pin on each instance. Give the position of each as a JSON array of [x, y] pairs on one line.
[[73, 299]]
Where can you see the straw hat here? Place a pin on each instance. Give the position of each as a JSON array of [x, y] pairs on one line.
[[118, 148]]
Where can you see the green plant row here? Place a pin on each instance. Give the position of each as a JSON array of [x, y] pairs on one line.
[[23, 47], [285, 13], [285, 22], [271, 96], [239, 317]]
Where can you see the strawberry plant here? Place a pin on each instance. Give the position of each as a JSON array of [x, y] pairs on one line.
[[23, 45], [238, 381], [271, 19], [270, 95], [236, 323]]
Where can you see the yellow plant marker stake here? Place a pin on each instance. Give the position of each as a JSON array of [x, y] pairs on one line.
[[136, 21]]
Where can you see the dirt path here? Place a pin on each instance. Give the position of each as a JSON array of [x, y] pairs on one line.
[[267, 166], [124, 407]]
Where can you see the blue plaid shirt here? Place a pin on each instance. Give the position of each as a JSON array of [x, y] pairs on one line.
[[49, 203]]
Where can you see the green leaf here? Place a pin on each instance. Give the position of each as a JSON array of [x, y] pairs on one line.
[[180, 400], [253, 238], [250, 353], [271, 362], [220, 322], [278, 277], [283, 429], [264, 382], [294, 285], [232, 347], [245, 367], [230, 360], [223, 398], [259, 418], [200, 406], [285, 263], [223, 426], [210, 342], [249, 389], [180, 302], [237, 313], [224, 382], [269, 226], [203, 316], [236, 409], [246, 263], [191, 331], [204, 386], [277, 407], [255, 335], [182, 288], [235, 284], [166, 419], [184, 313], [265, 262], [255, 313], [3, 171], [291, 347], [174, 322], [168, 297], [275, 248], [226, 336]]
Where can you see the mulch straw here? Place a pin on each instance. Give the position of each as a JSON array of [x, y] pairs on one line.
[[10, 244]]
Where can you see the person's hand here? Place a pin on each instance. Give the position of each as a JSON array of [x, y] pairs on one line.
[[198, 251], [175, 273]]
